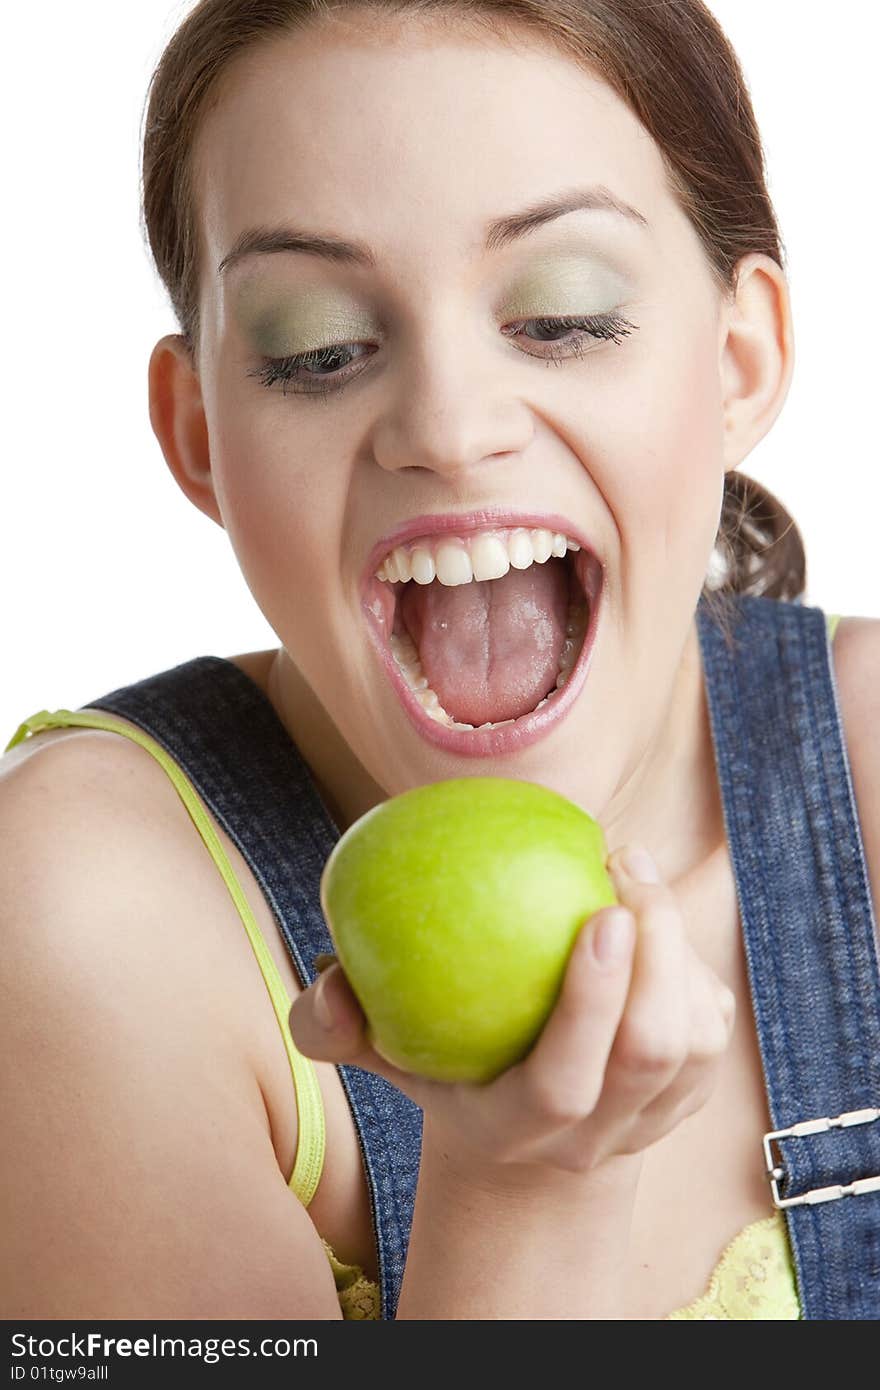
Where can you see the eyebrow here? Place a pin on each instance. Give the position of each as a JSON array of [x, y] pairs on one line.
[[498, 233]]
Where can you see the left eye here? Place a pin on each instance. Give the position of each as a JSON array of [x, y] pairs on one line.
[[611, 326], [325, 369]]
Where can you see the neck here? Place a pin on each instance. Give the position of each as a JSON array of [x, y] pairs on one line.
[[347, 789], [670, 802]]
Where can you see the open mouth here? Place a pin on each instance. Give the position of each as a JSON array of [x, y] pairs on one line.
[[486, 636]]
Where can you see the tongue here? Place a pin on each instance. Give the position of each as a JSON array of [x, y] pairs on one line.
[[491, 648]]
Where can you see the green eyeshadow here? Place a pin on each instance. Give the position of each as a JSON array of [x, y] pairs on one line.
[[564, 285], [281, 326]]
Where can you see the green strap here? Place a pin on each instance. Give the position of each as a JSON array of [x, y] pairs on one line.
[[309, 1162]]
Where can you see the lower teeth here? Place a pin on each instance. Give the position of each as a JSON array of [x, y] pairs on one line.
[[407, 658]]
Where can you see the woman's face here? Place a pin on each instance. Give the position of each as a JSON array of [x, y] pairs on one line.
[[411, 146]]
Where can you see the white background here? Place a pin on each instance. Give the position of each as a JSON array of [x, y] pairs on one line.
[[108, 574]]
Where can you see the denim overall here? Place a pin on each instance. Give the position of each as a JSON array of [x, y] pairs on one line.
[[801, 884], [809, 933]]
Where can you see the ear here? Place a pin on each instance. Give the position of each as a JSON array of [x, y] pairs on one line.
[[177, 415], [757, 355]]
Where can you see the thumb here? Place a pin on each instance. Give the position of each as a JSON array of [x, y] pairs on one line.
[[326, 1021], [328, 1024]]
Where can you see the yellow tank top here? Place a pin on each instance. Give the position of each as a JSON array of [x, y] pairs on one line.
[[754, 1277]]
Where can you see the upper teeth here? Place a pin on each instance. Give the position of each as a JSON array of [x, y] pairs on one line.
[[483, 555]]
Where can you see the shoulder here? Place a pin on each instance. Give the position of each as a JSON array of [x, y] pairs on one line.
[[74, 756], [856, 650], [107, 867], [93, 822], [91, 816], [64, 790], [92, 811], [107, 890], [856, 659], [135, 1129], [94, 872]]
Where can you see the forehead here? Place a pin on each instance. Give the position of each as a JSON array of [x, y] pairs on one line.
[[412, 139]]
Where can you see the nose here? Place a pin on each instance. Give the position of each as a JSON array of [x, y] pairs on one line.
[[451, 407]]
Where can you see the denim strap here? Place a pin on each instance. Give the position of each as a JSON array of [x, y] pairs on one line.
[[223, 731], [809, 930]]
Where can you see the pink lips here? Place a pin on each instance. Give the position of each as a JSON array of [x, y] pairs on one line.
[[530, 727]]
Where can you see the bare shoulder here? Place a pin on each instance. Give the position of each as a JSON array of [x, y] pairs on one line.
[[87, 742], [856, 656], [856, 649], [88, 809], [138, 1174]]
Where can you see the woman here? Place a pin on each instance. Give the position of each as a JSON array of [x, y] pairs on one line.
[[379, 226]]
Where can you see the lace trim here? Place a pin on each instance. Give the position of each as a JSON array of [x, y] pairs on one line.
[[359, 1297], [754, 1279]]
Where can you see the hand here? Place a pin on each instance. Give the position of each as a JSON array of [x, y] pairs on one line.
[[632, 1047]]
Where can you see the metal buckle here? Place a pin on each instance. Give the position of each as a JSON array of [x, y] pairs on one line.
[[818, 1194]]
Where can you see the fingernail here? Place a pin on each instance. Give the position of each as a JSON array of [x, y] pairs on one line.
[[638, 863], [323, 1012], [613, 937], [322, 960]]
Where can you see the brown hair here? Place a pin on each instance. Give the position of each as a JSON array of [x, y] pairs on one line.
[[669, 60]]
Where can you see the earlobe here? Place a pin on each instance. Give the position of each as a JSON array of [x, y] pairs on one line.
[[177, 415], [757, 356]]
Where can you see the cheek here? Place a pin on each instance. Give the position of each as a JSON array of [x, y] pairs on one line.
[[666, 473], [281, 495]]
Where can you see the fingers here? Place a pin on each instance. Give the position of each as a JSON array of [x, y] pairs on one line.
[[619, 1030], [326, 1020], [564, 1072], [677, 1022], [712, 1013], [652, 1041]]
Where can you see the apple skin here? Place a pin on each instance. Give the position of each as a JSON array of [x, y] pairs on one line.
[[453, 908]]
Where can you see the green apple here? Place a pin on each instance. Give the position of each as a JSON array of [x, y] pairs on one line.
[[453, 908]]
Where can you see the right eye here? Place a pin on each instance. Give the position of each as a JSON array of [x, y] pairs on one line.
[[307, 369]]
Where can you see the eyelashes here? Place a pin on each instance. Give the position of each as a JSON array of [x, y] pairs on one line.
[[326, 370]]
